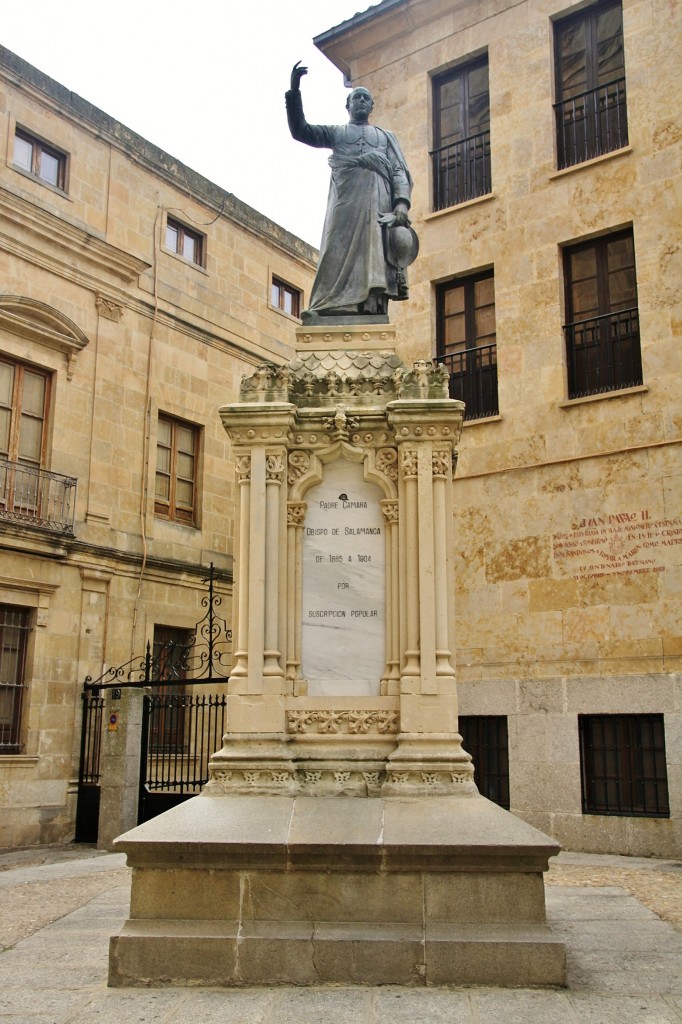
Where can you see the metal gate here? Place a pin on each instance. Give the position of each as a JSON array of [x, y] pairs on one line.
[[87, 809], [180, 731]]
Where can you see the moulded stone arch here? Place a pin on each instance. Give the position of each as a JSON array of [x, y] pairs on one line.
[[343, 450], [35, 320]]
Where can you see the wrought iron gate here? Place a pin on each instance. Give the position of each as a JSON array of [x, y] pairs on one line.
[[180, 729], [87, 809]]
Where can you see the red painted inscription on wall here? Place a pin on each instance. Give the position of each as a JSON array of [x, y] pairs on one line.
[[621, 542]]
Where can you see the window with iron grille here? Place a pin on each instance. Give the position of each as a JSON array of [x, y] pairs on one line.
[[177, 446], [39, 159], [14, 630], [622, 765], [185, 242], [485, 738], [167, 721], [466, 340], [602, 329], [285, 297], [591, 113], [461, 135]]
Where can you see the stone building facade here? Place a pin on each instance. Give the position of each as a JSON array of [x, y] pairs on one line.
[[545, 139], [135, 295]]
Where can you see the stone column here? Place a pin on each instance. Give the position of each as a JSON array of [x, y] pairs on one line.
[[429, 755], [254, 756]]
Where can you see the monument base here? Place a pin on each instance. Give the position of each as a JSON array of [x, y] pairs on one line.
[[263, 890]]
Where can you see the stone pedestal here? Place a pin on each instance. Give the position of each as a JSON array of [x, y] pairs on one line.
[[253, 890], [340, 837]]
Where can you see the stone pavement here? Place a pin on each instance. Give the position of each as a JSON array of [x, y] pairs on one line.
[[621, 919]]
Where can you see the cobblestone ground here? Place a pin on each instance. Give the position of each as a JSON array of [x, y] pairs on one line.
[[660, 891]]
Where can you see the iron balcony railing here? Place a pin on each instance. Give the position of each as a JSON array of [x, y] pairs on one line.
[[603, 353], [591, 123], [461, 171], [473, 379], [37, 497]]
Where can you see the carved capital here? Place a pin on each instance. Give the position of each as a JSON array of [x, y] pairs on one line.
[[274, 469], [391, 511], [410, 463], [243, 468], [441, 463], [296, 513]]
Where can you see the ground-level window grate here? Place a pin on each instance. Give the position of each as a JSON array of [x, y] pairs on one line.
[[485, 737], [623, 766]]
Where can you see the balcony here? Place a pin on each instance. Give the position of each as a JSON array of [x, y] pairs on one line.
[[603, 354], [37, 497], [461, 171], [591, 124], [473, 380]]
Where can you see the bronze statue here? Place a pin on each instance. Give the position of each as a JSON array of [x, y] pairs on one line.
[[366, 240]]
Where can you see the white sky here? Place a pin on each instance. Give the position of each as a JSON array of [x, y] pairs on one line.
[[203, 80]]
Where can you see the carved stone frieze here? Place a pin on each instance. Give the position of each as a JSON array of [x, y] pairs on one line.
[[387, 462], [299, 464], [352, 722], [109, 309], [431, 779]]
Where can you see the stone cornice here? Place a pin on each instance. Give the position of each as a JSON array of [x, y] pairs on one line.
[[69, 251], [86, 116]]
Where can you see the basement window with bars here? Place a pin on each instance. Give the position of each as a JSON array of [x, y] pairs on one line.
[[485, 737], [623, 765], [14, 631]]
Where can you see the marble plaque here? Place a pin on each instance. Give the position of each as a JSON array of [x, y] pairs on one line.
[[344, 585]]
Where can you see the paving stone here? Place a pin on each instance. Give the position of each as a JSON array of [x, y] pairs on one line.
[[117, 1006], [320, 1006], [524, 1007], [422, 1006], [601, 1009]]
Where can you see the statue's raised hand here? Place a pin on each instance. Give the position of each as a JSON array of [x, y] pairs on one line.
[[297, 73]]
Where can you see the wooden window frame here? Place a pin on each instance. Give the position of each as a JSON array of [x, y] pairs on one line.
[[183, 232], [283, 289], [38, 147], [460, 167], [607, 377], [478, 379], [603, 112], [20, 370], [171, 510], [623, 768]]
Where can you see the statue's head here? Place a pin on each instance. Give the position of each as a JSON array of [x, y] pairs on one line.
[[359, 103]]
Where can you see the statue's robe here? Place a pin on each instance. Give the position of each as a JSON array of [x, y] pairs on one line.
[[369, 176]]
